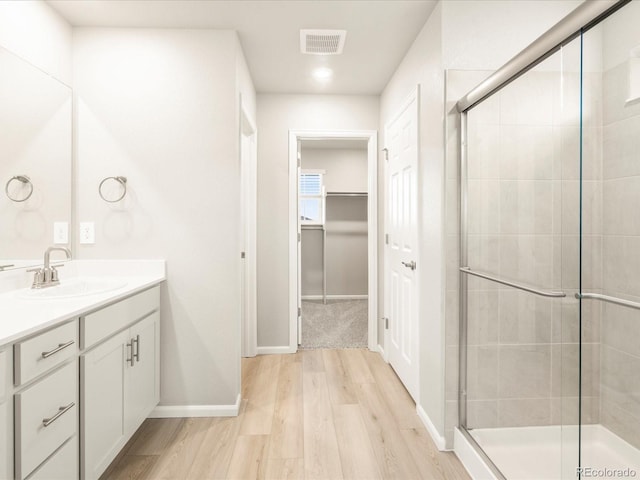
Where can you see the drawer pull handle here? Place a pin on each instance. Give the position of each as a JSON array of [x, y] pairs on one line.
[[132, 358], [61, 346], [136, 341], [61, 411]]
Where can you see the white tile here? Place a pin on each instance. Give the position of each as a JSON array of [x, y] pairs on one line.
[[526, 207], [526, 152], [621, 202], [524, 371]]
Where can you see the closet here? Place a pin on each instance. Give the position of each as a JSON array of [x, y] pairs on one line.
[[333, 215]]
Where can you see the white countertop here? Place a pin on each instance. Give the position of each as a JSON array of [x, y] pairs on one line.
[[20, 316]]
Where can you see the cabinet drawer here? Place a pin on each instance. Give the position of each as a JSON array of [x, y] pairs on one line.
[[46, 416], [45, 351], [98, 325], [63, 465]]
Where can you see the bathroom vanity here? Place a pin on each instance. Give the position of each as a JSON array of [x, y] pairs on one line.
[[79, 368]]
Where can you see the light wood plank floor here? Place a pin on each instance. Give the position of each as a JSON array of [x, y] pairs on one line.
[[317, 414]]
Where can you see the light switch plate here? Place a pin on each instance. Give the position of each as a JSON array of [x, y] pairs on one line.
[[87, 233], [60, 233]]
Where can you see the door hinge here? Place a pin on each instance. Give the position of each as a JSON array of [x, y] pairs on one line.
[[299, 311], [386, 323], [299, 238], [243, 254], [299, 160], [386, 239], [386, 154]]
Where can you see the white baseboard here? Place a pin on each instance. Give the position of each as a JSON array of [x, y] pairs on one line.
[[335, 297], [433, 431], [179, 411], [470, 459], [274, 350], [381, 352]]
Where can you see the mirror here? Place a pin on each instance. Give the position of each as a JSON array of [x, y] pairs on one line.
[[35, 162]]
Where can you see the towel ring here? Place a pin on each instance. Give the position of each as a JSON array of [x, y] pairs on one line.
[[123, 183], [25, 181]]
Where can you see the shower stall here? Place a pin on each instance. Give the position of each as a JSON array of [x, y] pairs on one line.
[[550, 256]]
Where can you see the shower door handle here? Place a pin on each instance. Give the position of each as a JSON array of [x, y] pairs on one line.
[[411, 264]]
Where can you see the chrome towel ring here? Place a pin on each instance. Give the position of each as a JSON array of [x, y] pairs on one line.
[[123, 183], [25, 181]]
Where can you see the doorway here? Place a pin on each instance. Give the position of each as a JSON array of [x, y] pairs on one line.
[[332, 200], [333, 246]]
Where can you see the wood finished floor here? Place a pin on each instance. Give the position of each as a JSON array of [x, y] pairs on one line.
[[316, 414]]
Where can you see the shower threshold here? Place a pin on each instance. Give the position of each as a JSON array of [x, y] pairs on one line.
[[550, 453]]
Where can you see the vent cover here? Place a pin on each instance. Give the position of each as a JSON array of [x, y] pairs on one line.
[[322, 42]]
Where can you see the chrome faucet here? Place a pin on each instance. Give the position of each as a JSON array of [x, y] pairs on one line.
[[47, 276]]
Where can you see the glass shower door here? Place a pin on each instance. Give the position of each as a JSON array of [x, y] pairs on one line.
[[610, 431], [520, 392]]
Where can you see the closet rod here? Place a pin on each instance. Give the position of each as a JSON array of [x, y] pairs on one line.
[[347, 194]]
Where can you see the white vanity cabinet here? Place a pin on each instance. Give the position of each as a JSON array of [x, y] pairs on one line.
[[119, 376]]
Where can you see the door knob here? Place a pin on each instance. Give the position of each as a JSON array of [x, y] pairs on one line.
[[411, 264]]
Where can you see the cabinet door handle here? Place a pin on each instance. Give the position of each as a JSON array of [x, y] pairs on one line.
[[131, 360], [61, 346], [136, 341], [61, 411]]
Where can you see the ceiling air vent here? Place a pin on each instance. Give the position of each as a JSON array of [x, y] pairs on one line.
[[322, 42]]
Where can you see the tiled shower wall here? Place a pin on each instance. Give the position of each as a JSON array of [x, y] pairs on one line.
[[620, 354]]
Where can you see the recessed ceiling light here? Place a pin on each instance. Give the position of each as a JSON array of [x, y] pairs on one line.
[[323, 74]]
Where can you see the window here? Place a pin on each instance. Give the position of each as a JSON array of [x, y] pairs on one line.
[[311, 197]]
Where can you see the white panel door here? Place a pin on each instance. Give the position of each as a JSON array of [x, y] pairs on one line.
[[401, 279]]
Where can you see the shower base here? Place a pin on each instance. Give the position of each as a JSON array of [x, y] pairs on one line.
[[549, 453]]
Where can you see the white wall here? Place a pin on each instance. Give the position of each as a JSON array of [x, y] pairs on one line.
[[346, 169], [35, 32], [157, 106], [478, 35], [277, 114]]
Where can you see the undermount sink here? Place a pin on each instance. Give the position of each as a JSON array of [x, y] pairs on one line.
[[74, 287]]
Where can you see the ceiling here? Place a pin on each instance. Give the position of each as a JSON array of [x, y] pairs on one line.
[[379, 32]]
